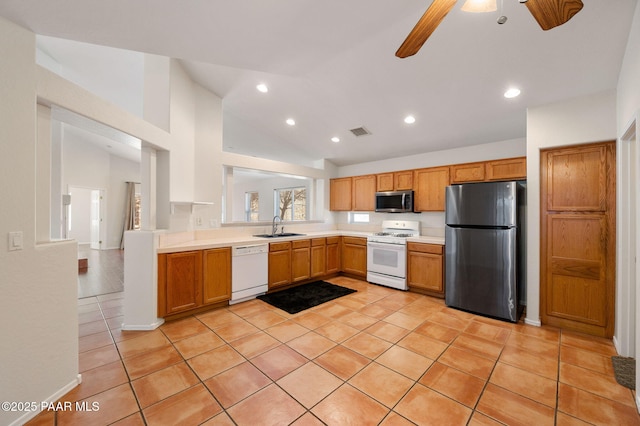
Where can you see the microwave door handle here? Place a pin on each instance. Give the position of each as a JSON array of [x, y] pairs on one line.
[[404, 206]]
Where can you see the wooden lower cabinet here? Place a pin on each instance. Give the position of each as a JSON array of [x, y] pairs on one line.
[[333, 255], [354, 256], [192, 279], [300, 260], [318, 257], [425, 268], [279, 264], [217, 275]]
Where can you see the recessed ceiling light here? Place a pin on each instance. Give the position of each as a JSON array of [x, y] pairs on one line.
[[409, 119], [512, 93], [262, 88], [291, 122], [335, 139]]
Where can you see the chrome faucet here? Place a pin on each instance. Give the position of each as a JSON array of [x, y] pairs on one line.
[[274, 225]]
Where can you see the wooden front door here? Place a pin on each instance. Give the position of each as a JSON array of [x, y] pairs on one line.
[[577, 244]]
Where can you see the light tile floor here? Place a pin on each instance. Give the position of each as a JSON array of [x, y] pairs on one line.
[[377, 356]]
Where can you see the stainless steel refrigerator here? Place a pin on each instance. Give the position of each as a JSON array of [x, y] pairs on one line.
[[485, 248]]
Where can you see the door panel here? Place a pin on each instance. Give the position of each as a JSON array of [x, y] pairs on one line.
[[577, 240], [577, 180]]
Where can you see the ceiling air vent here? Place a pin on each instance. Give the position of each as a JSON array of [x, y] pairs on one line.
[[360, 131]]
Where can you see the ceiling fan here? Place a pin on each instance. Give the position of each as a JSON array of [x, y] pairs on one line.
[[548, 13]]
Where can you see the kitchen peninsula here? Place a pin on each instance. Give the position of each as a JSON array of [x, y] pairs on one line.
[[202, 288]]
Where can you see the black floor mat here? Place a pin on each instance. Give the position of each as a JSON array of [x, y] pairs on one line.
[[305, 296]]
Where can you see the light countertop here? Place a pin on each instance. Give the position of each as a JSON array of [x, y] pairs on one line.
[[241, 240]]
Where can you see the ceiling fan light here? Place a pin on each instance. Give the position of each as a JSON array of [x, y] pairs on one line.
[[479, 6]]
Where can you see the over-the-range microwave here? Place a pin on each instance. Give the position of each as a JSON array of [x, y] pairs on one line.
[[394, 201]]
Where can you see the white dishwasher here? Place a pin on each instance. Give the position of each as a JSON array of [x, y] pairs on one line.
[[249, 272]]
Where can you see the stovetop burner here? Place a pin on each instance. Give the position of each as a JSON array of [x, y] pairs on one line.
[[396, 231]]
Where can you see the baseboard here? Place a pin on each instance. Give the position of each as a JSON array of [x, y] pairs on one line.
[[535, 323], [52, 399], [616, 344], [144, 327]]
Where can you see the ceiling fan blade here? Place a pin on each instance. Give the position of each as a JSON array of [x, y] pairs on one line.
[[553, 13], [425, 27]]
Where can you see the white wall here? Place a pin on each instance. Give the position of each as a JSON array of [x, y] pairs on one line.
[[490, 151], [38, 307], [88, 166], [628, 114], [575, 121]]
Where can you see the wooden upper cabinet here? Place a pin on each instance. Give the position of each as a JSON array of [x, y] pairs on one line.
[[384, 182], [509, 169], [340, 194], [577, 179], [363, 193], [395, 181], [429, 186], [469, 172], [403, 181]]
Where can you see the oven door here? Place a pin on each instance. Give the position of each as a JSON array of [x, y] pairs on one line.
[[387, 259]]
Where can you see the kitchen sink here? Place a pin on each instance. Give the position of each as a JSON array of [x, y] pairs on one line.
[[284, 234]]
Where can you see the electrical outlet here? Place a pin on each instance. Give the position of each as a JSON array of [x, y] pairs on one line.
[[15, 240]]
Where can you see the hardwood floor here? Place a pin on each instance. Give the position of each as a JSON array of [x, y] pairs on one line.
[[104, 275]]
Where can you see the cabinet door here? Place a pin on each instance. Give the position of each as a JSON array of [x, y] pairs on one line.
[[300, 260], [403, 181], [509, 169], [354, 256], [318, 257], [183, 281], [470, 172], [279, 264], [340, 194], [217, 275], [425, 268], [364, 193], [333, 255], [384, 182], [429, 188]]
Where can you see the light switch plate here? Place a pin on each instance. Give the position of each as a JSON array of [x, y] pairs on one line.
[[15, 240]]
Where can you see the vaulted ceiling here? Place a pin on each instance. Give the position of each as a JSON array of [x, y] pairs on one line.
[[330, 65]]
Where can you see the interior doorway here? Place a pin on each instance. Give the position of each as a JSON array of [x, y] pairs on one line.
[[85, 216]]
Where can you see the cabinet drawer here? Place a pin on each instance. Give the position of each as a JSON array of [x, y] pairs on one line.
[[355, 240], [333, 240], [300, 244], [318, 242], [285, 245], [425, 248]]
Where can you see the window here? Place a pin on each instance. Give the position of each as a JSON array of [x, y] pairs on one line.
[[138, 211], [358, 217], [251, 206], [291, 203]]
